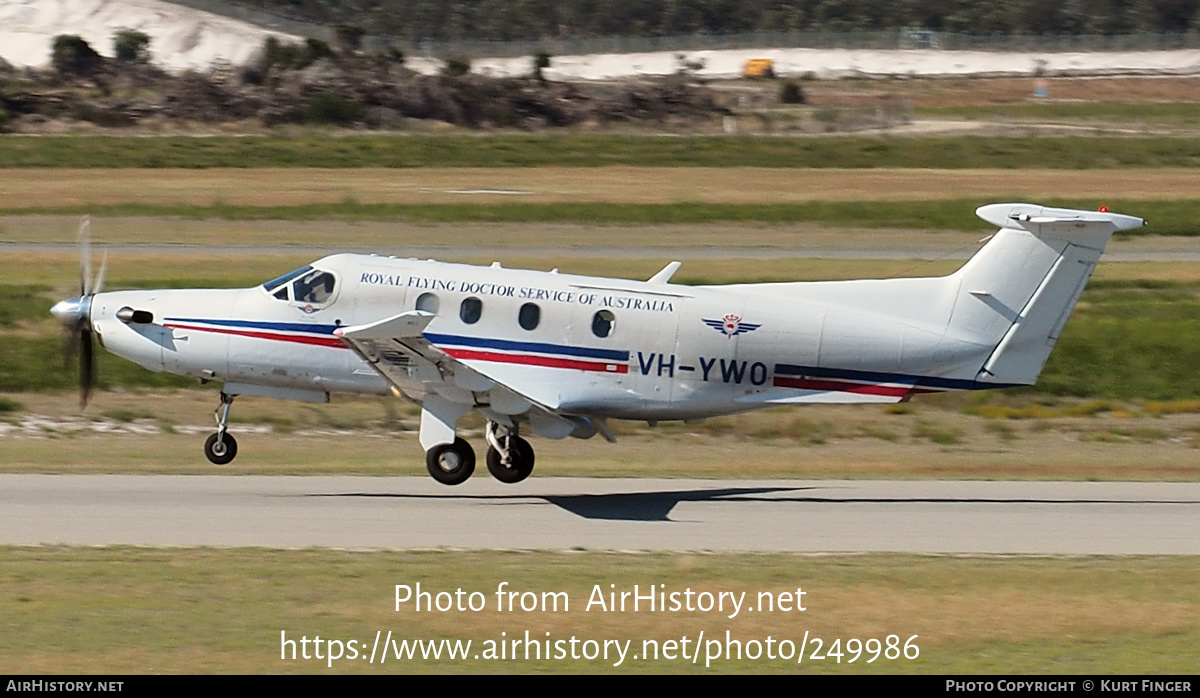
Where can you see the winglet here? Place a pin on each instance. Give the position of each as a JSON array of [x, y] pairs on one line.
[[665, 275]]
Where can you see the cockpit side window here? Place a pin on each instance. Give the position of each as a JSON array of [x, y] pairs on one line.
[[315, 287]]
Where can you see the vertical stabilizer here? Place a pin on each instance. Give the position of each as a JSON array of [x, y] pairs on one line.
[[1018, 291]]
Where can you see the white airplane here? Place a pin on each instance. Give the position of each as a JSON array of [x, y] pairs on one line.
[[560, 354]]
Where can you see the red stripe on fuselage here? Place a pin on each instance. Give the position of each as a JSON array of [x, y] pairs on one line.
[[840, 387], [527, 360], [319, 341]]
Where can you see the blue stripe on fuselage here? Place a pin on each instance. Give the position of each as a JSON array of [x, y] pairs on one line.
[[538, 347], [883, 377], [258, 325], [456, 340]]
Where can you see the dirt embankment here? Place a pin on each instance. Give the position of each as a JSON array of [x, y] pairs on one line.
[[316, 86]]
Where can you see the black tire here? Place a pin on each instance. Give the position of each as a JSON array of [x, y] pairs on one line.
[[451, 464], [223, 454], [522, 462]]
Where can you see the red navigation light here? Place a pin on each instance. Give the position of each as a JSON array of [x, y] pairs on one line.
[[1103, 209]]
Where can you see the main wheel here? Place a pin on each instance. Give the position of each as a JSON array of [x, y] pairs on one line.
[[451, 464], [220, 453], [521, 464]]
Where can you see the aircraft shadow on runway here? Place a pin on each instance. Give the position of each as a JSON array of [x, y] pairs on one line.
[[657, 506], [618, 506]]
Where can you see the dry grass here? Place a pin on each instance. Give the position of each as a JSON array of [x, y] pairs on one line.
[[1000, 91], [934, 439], [34, 188], [568, 239], [155, 610]]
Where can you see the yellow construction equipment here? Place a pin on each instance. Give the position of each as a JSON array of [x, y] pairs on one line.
[[759, 68]]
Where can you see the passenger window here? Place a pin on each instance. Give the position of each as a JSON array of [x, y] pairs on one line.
[[428, 302], [315, 287], [470, 310], [603, 322], [530, 316]]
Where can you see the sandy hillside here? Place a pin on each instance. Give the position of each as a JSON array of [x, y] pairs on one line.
[[183, 38]]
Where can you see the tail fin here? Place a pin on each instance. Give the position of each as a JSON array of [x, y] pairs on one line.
[[1018, 291]]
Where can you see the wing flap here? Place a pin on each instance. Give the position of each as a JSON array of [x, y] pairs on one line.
[[396, 348], [409, 324]]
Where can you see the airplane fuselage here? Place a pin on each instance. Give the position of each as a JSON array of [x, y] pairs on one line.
[[561, 354], [667, 351]]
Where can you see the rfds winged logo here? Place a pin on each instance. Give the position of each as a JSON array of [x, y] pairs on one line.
[[731, 325]]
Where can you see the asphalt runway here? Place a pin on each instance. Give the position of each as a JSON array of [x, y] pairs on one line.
[[603, 514]]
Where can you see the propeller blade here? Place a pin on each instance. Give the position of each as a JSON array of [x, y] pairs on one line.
[[87, 367], [85, 257], [70, 344], [99, 285]]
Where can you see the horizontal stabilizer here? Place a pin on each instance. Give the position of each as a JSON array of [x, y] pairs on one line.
[[1044, 221]]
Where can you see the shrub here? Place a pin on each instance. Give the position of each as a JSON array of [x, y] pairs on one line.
[[293, 56], [333, 108], [72, 55], [316, 50], [791, 93], [132, 46], [541, 61], [456, 66], [348, 37]]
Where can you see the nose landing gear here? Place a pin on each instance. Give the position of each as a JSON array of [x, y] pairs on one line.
[[221, 447]]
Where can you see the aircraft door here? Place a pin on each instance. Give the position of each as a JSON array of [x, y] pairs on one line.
[[644, 326], [623, 337]]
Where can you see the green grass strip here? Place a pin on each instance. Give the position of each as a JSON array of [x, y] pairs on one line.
[[1159, 113], [1170, 217], [324, 149]]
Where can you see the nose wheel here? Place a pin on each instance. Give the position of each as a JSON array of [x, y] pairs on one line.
[[221, 447], [509, 457]]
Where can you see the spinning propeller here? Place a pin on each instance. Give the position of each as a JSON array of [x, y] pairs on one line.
[[75, 315]]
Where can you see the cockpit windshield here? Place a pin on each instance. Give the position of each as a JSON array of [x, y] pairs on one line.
[[281, 280], [304, 285]]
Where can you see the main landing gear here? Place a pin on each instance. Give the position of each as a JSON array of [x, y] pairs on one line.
[[221, 447], [451, 464], [509, 457]]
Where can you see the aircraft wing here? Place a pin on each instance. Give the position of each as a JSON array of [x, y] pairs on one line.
[[416, 368]]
